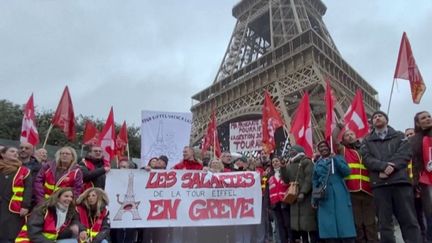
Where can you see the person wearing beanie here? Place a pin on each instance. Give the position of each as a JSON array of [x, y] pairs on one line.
[[358, 184], [302, 215], [386, 155]]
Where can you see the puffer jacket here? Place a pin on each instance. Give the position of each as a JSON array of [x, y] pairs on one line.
[[377, 152]]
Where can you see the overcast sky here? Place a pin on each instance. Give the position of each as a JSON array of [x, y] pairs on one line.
[[154, 55]]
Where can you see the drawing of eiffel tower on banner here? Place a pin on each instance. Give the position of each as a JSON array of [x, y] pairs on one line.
[[282, 46], [129, 205]]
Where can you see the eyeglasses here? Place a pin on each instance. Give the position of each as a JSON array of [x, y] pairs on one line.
[[97, 151]]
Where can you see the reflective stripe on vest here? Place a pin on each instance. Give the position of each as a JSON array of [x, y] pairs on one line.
[[359, 179], [22, 236], [410, 170], [95, 226], [18, 189], [67, 180], [49, 229]]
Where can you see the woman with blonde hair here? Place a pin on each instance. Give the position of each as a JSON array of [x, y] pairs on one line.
[[63, 172], [93, 214], [216, 166], [54, 220], [15, 194]]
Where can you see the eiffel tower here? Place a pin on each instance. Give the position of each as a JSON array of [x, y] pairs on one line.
[[282, 46], [129, 205]]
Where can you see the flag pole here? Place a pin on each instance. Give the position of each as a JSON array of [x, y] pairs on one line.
[[127, 149], [391, 94], [47, 135], [82, 148], [287, 141]]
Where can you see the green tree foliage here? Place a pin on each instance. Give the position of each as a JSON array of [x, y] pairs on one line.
[[11, 119]]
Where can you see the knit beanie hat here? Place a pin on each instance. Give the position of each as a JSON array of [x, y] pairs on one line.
[[382, 113], [297, 148], [164, 158]]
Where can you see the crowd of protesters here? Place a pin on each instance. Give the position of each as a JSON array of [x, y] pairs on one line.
[[351, 191]]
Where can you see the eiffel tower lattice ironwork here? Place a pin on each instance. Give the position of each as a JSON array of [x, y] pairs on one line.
[[129, 204], [282, 46]]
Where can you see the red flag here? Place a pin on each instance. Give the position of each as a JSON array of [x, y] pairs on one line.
[[107, 139], [406, 68], [330, 114], [64, 116], [301, 126], [355, 118], [122, 140], [29, 131], [271, 120], [211, 137], [91, 133]]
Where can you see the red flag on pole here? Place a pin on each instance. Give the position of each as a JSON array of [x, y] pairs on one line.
[[122, 140], [29, 131], [355, 118], [211, 137], [271, 120], [330, 114], [406, 68], [64, 117], [107, 139], [301, 126], [91, 133]]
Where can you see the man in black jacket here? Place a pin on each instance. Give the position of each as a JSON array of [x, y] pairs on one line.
[[386, 154], [93, 169]]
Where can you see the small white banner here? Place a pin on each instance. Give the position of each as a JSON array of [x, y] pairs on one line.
[[164, 133], [172, 198], [245, 136]]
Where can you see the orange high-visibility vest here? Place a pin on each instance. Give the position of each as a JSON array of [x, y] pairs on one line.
[[425, 176], [18, 189], [22, 236], [95, 225], [359, 179], [277, 189], [49, 230], [67, 180]]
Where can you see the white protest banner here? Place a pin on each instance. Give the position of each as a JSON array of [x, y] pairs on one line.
[[172, 198], [245, 136], [164, 133]]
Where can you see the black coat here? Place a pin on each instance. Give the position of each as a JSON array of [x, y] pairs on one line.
[[96, 176], [11, 223], [377, 152]]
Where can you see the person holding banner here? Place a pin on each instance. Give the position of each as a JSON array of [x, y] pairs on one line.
[[93, 215], [63, 172], [226, 160], [302, 216], [331, 197], [15, 194], [189, 162]]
